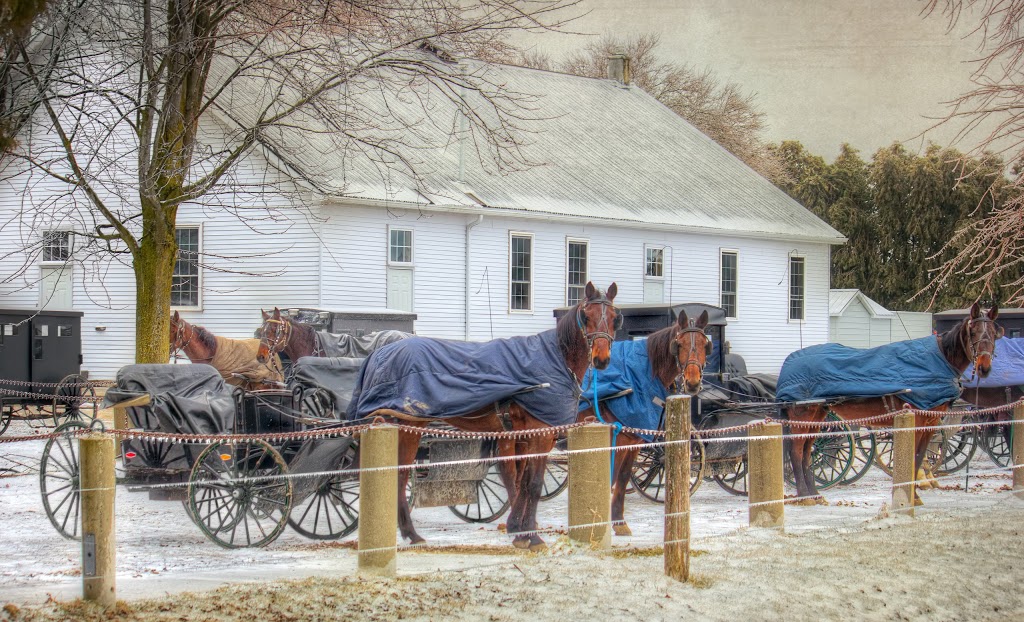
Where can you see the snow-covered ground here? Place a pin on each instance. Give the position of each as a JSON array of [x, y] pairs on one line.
[[161, 551]]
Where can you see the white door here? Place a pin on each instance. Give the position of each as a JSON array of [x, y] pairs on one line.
[[654, 291], [400, 289], [55, 287]]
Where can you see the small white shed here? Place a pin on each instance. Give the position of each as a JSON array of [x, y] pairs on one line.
[[859, 322]]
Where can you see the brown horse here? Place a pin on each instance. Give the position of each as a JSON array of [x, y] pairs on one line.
[[283, 335], [235, 359], [677, 356], [971, 341], [584, 337]]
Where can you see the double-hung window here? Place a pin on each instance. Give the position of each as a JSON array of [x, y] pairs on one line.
[[186, 283], [654, 274], [576, 266], [520, 264], [796, 288], [729, 278]]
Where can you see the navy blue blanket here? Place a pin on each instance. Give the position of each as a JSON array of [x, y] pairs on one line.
[[831, 371], [437, 378], [630, 368], [1007, 366]]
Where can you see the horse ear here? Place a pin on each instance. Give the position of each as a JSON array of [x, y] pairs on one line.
[[590, 291], [975, 311], [702, 321], [277, 313], [266, 316], [612, 290], [993, 313], [683, 321], [176, 317]]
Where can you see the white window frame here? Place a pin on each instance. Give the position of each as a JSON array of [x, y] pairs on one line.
[[586, 270], [789, 289], [71, 248], [533, 263], [199, 267], [660, 247], [412, 247], [722, 252]]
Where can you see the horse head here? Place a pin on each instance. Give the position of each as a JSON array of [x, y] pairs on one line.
[[177, 332], [274, 335], [690, 347], [978, 335], [598, 319]]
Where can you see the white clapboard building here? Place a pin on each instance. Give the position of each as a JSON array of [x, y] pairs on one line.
[[623, 190]]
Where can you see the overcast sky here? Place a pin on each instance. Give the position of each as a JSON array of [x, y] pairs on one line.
[[867, 72]]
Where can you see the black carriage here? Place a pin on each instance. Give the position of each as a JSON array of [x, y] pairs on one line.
[[237, 491], [40, 367]]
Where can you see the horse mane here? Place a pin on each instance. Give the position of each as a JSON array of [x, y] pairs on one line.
[[204, 337], [571, 344], [663, 364], [951, 345]]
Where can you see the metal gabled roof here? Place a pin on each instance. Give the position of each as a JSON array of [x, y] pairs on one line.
[[840, 299], [598, 149]]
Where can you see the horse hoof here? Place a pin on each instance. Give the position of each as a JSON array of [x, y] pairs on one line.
[[415, 539], [622, 530], [807, 502], [539, 547], [821, 501], [917, 501], [522, 542]]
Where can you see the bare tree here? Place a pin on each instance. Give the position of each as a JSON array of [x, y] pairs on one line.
[[121, 96], [722, 111], [989, 249]]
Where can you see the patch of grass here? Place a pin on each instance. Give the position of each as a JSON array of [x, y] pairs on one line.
[[647, 551], [701, 581]]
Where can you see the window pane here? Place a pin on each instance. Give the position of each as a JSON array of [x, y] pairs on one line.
[[655, 259], [56, 246], [796, 288], [729, 280], [576, 275], [520, 268], [401, 246], [185, 282]]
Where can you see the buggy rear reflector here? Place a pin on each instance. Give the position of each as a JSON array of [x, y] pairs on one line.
[[225, 457], [130, 454]]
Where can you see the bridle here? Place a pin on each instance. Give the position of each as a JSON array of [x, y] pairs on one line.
[[601, 332], [281, 336], [970, 345], [179, 335], [692, 354]]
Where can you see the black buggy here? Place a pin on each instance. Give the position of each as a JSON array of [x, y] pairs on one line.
[[235, 489]]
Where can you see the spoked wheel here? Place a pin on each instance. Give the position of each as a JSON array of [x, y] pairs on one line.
[[70, 396], [865, 447], [832, 458], [332, 511], [958, 447], [648, 476], [239, 495], [733, 478], [491, 499], [995, 440], [6, 414], [556, 473], [883, 453], [60, 482]]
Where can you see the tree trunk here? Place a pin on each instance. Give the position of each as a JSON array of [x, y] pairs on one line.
[[154, 269]]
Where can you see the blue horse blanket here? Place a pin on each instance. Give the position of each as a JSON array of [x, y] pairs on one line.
[[630, 368], [438, 378], [831, 371], [1007, 366]]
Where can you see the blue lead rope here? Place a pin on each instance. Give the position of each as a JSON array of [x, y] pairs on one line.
[[597, 411]]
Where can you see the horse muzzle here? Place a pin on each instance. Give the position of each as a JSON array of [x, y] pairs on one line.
[[983, 365]]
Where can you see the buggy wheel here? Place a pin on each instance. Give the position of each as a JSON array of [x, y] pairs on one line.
[[332, 511], [734, 478], [491, 499], [832, 458], [6, 413], [72, 392], [883, 452], [648, 476], [958, 447], [864, 450], [60, 480], [237, 493], [556, 473], [995, 440]]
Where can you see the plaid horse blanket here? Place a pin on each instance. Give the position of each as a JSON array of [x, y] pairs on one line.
[[831, 371], [238, 356], [438, 378]]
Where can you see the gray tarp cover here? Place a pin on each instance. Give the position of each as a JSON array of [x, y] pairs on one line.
[[337, 376], [332, 345], [439, 378], [187, 399]]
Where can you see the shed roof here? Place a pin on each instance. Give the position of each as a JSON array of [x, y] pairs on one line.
[[601, 150], [840, 299]]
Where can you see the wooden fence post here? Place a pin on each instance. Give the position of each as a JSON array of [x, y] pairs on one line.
[[1017, 450], [764, 474], [904, 470], [99, 545], [590, 493], [378, 501], [677, 488]]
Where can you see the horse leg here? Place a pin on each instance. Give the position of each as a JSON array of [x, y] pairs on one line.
[[624, 459], [532, 485], [509, 471], [924, 437], [408, 444]]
